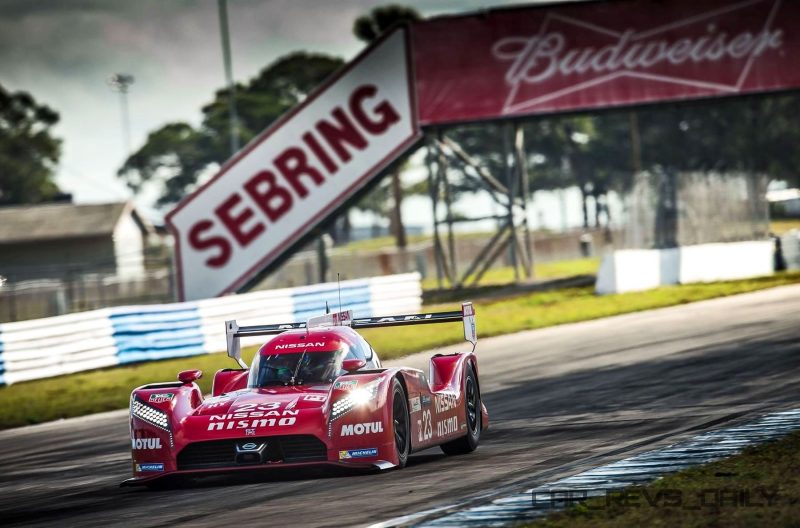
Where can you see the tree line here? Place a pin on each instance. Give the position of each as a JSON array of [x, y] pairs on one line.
[[598, 152]]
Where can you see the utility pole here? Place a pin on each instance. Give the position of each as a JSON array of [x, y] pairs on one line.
[[226, 57], [119, 82]]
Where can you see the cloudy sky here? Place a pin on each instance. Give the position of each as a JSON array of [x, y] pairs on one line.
[[63, 51]]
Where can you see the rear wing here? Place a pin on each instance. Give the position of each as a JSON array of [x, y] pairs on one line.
[[233, 332]]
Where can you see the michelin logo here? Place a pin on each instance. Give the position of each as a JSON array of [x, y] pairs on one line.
[[358, 453], [151, 466]]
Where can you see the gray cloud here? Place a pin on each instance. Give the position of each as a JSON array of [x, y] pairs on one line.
[[63, 51]]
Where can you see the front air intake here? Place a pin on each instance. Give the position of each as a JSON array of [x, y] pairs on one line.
[[238, 452]]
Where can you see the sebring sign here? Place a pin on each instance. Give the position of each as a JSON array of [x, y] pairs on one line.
[[297, 173]]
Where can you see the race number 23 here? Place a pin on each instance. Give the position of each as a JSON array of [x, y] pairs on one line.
[[425, 426]]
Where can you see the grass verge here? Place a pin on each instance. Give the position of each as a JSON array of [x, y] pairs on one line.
[[544, 270], [758, 487], [107, 389], [781, 227]]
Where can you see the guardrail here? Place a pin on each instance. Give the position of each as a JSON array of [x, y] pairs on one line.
[[42, 348]]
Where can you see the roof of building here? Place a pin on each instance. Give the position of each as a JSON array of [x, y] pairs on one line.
[[52, 221], [783, 195]]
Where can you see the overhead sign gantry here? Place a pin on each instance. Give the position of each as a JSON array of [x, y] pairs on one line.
[[494, 65]]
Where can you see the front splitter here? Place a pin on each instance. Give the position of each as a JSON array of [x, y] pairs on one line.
[[150, 479]]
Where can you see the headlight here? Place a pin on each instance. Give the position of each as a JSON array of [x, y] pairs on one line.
[[355, 398], [150, 415], [362, 395]]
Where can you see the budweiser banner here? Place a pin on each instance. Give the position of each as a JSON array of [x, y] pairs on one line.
[[533, 60], [289, 179]]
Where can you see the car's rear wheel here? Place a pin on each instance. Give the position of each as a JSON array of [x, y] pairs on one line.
[[401, 423], [472, 404]]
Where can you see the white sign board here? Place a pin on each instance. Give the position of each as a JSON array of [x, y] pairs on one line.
[[296, 173]]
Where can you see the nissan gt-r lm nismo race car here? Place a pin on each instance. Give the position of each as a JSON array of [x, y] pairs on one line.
[[315, 394]]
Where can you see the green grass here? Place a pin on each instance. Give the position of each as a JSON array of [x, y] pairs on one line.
[[769, 473], [781, 227], [388, 242], [544, 270], [538, 310], [385, 242], [102, 390]]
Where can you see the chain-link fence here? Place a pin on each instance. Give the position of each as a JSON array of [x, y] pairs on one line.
[[44, 291], [668, 209], [35, 292]]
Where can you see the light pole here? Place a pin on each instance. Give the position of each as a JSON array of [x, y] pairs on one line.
[[226, 57], [119, 82]]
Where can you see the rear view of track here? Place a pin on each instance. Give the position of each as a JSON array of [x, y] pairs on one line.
[[561, 400]]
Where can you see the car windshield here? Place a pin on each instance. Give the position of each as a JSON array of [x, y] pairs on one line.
[[295, 368]]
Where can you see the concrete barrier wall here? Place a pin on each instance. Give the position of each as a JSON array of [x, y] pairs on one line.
[[42, 348], [628, 270], [790, 243]]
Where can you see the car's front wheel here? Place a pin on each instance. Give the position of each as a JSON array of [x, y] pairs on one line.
[[401, 423]]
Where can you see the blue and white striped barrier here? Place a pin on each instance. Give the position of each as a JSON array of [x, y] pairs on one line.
[[42, 348]]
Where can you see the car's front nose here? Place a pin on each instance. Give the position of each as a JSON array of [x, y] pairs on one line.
[[252, 451]]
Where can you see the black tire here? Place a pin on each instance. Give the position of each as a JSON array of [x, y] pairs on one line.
[[401, 423], [472, 404]]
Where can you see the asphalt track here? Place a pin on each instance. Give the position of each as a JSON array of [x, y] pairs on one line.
[[560, 399]]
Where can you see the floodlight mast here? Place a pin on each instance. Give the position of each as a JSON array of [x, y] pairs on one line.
[[226, 57], [120, 82]]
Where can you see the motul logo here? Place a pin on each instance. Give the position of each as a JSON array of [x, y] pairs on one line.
[[145, 443], [362, 428], [647, 54]]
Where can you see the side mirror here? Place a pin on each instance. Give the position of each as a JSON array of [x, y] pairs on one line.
[[352, 365], [188, 376]]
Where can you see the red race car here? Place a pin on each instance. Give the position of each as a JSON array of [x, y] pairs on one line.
[[316, 394]]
